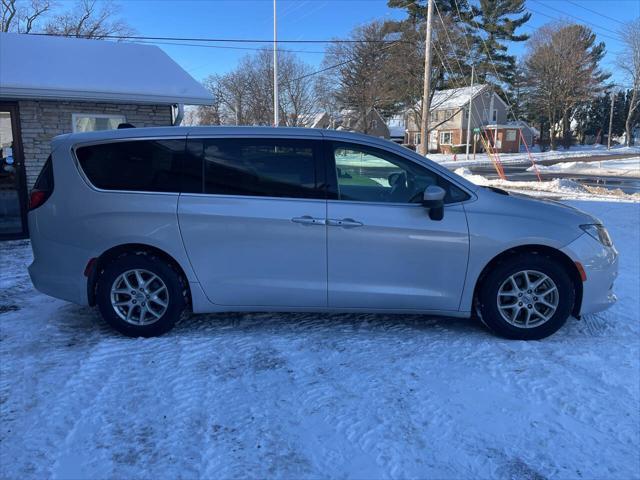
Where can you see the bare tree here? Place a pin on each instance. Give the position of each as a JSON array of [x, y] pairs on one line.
[[297, 94], [629, 62], [450, 69], [22, 17], [211, 114], [385, 68], [357, 74], [562, 72], [85, 18], [89, 19], [244, 96]]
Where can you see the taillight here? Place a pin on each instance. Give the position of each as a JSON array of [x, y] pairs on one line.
[[43, 187], [37, 198]]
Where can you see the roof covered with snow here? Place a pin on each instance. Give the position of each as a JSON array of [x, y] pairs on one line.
[[312, 120], [48, 67], [455, 97]]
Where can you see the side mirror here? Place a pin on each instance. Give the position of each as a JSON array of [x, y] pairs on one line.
[[433, 199]]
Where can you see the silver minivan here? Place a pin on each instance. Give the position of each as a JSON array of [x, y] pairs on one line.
[[146, 223]]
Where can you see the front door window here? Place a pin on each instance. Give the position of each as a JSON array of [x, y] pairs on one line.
[[372, 175]]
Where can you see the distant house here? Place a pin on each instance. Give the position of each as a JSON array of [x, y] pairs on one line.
[[55, 85], [530, 134], [352, 121], [315, 120], [449, 117]]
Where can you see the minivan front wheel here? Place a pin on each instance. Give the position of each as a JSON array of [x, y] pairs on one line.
[[527, 297], [140, 295]]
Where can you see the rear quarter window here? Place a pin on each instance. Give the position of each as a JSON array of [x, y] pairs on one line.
[[44, 182], [141, 165]]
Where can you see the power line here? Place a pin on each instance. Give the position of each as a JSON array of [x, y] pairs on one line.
[[595, 11], [331, 67], [254, 49], [556, 18], [220, 40], [574, 17]]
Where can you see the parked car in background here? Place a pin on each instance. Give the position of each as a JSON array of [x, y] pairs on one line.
[[145, 223]]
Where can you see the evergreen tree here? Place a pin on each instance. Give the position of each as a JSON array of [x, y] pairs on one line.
[[495, 23], [417, 9], [488, 28], [591, 119]]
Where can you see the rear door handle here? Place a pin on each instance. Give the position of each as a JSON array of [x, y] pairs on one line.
[[345, 222], [309, 220]]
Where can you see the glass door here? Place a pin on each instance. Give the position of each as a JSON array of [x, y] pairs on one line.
[[13, 195]]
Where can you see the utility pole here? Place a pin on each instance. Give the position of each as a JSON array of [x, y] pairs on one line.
[[276, 119], [610, 121], [426, 95], [469, 112]]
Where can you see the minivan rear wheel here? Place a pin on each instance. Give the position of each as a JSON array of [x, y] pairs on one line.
[[526, 297], [140, 295]]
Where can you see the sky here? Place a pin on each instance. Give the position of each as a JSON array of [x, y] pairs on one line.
[[325, 19]]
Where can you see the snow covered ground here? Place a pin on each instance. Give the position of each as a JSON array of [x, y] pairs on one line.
[[314, 395], [576, 151], [556, 189], [627, 167]]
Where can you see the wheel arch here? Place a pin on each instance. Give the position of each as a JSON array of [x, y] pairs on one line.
[[545, 250], [112, 253]]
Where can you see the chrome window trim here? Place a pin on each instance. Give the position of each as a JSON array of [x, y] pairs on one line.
[[253, 197], [322, 137], [393, 204]]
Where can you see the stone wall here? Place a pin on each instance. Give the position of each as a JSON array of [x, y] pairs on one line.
[[41, 120]]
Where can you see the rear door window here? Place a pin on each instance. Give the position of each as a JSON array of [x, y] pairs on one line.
[[140, 165], [256, 167]]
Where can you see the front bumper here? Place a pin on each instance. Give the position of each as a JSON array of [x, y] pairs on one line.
[[600, 264]]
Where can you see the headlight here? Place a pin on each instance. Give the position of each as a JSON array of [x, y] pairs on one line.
[[598, 232]]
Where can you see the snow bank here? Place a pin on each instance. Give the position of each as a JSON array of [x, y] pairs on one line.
[[628, 167], [559, 188], [576, 151]]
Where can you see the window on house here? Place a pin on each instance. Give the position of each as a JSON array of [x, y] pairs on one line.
[[434, 116], [417, 139], [91, 122], [373, 124], [511, 135], [446, 138], [494, 117]]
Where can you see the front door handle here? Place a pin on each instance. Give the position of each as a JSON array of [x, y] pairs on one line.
[[308, 220], [345, 222]]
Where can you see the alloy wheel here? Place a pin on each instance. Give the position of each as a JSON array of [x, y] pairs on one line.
[[139, 297], [528, 299]]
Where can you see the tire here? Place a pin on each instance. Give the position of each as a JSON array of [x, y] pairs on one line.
[[161, 311], [508, 314]]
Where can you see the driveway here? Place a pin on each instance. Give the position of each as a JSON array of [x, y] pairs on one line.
[[315, 395]]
